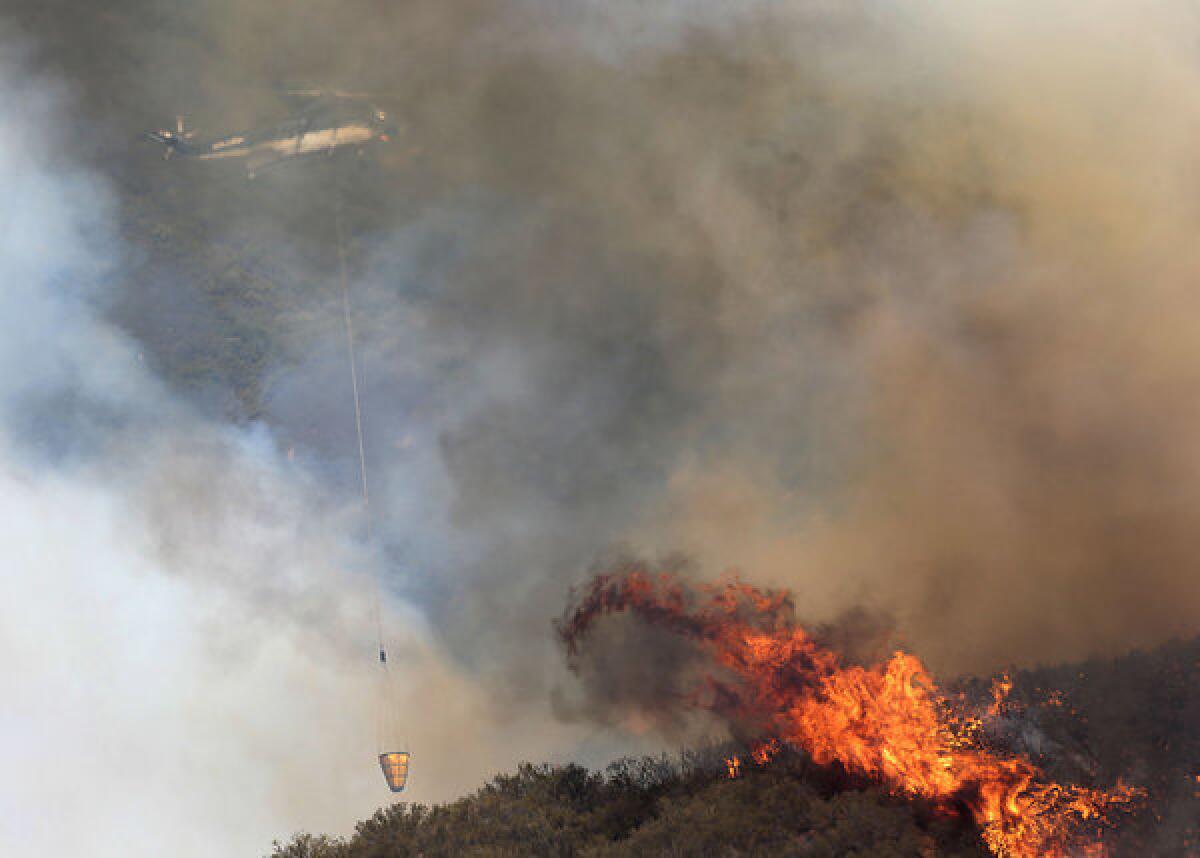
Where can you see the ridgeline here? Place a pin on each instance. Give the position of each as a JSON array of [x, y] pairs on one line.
[[1095, 722]]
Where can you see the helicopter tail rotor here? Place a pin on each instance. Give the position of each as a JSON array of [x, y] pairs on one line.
[[171, 139]]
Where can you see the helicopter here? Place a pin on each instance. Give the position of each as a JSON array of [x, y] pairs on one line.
[[330, 120]]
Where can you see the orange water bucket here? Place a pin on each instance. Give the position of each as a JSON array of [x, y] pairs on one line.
[[395, 769]]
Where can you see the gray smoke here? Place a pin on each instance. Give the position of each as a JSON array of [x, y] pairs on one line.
[[185, 614]]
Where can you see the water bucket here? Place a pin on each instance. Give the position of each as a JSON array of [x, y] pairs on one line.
[[395, 769]]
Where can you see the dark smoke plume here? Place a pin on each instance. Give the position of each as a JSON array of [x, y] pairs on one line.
[[893, 308]]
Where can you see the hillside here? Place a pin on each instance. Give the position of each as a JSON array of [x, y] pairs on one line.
[[652, 807], [1129, 717]]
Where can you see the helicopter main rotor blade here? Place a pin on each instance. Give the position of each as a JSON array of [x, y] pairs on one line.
[[339, 93]]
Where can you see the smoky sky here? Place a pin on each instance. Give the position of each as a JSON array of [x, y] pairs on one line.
[[185, 610], [891, 305]]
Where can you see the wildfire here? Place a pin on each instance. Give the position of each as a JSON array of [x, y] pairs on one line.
[[733, 765], [888, 722], [1001, 688], [765, 752]]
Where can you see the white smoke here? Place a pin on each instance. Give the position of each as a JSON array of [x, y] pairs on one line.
[[185, 621]]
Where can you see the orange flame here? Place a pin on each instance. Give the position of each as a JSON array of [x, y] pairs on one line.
[[1001, 688], [888, 722], [765, 752], [733, 765]]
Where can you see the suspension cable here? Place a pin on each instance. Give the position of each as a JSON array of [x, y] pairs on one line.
[[358, 423]]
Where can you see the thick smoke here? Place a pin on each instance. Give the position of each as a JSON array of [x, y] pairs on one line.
[[890, 304], [893, 308], [185, 615]]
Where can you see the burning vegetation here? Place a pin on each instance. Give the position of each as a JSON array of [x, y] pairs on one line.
[[1074, 723], [886, 722]]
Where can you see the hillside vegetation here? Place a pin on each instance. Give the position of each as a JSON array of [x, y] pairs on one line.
[[652, 807], [1131, 717]]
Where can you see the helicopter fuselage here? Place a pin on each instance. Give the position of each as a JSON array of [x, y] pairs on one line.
[[301, 142], [291, 139]]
